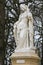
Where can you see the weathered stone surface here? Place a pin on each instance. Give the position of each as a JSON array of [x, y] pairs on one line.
[[23, 58], [23, 29], [25, 53]]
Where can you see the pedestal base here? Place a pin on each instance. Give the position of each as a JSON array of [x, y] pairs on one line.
[[24, 58]]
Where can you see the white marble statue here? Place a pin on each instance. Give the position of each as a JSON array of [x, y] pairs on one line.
[[23, 29]]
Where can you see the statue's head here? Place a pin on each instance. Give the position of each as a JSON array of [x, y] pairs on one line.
[[23, 7]]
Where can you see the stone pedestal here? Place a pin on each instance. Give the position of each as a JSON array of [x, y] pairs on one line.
[[25, 58]]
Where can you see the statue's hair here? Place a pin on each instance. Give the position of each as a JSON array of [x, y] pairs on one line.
[[24, 6]]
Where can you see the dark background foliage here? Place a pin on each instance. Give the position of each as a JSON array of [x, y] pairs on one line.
[[9, 14]]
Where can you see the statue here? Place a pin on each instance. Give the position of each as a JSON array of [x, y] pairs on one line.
[[25, 52], [23, 29]]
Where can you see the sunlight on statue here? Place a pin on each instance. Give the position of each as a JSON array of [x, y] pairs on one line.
[[23, 29]]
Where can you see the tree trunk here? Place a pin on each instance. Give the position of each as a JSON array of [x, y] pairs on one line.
[[2, 22]]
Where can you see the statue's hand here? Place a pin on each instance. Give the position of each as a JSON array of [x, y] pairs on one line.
[[30, 17]]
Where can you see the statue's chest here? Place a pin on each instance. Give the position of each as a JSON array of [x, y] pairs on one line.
[[21, 29]]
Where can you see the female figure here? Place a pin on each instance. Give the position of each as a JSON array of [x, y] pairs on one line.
[[23, 29]]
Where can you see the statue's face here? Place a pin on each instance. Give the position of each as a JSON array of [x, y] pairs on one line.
[[22, 7]]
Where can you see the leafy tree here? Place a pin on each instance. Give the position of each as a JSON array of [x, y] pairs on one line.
[[10, 10]]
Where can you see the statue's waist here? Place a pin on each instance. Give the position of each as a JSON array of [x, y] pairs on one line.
[[24, 29]]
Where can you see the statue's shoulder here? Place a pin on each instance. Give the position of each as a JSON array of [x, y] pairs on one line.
[[16, 23], [29, 14]]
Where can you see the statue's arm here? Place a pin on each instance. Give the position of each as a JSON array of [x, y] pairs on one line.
[[30, 21], [30, 18], [15, 29]]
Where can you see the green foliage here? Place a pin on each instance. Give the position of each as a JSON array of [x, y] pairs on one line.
[[9, 14]]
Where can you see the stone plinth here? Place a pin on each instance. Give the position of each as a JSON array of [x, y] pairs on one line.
[[25, 58]]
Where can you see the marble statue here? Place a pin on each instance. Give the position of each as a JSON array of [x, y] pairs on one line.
[[25, 52], [23, 29]]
